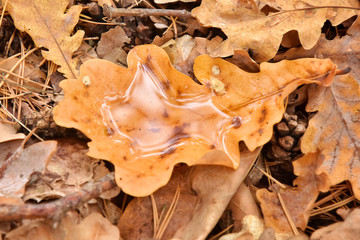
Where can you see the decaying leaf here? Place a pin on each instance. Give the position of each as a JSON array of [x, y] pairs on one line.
[[51, 28], [17, 165], [67, 171], [178, 120], [110, 45], [248, 28]]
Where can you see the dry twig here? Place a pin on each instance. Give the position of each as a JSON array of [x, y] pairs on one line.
[[58, 208], [111, 12]]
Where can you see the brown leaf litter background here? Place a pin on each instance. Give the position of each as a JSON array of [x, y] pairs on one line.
[[179, 122]]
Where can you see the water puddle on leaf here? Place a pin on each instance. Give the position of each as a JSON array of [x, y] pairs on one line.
[[156, 122]]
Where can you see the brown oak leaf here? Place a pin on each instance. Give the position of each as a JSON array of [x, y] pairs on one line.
[[247, 27]]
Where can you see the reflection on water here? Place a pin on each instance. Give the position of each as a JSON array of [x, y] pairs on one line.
[[154, 121]]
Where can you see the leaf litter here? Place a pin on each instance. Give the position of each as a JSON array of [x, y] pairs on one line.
[[317, 133]]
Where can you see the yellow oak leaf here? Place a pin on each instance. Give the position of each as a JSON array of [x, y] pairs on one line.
[[247, 27], [148, 117], [51, 28], [257, 99]]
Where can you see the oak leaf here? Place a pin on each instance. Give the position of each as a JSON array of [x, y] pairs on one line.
[[247, 27], [299, 201], [257, 98], [338, 139], [148, 117], [51, 28]]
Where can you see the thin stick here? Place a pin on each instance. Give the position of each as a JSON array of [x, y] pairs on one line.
[[155, 214], [271, 177], [287, 214], [312, 8], [169, 214], [58, 208], [3, 12], [111, 12], [332, 206]]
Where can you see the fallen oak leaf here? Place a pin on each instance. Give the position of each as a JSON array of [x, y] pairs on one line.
[[110, 46], [51, 28], [148, 117], [248, 28], [337, 140], [299, 200], [257, 99]]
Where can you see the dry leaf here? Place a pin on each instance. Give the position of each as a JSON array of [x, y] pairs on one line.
[[331, 142], [17, 165], [299, 201], [252, 228], [347, 230], [199, 206], [183, 51], [110, 46], [242, 204], [344, 51], [137, 219], [215, 187], [36, 229], [145, 137], [34, 77], [93, 227], [68, 169], [338, 139], [8, 132], [51, 28], [248, 28]]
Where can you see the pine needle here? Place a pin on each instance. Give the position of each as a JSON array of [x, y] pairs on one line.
[[162, 225], [287, 214]]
